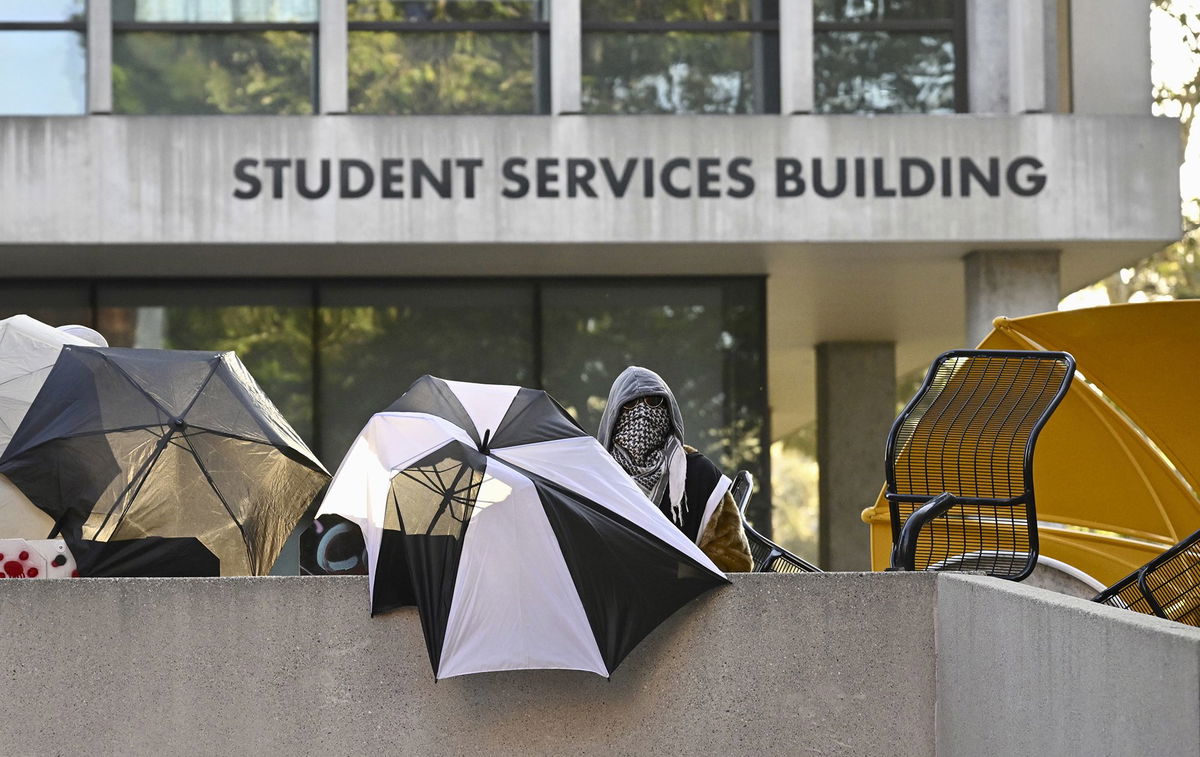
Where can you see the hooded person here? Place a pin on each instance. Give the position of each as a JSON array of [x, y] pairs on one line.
[[642, 428]]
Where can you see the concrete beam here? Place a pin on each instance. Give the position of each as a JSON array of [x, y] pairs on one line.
[[856, 404], [332, 43], [1009, 283], [99, 56], [566, 57], [796, 90]]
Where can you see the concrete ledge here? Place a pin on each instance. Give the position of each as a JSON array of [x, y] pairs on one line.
[[818, 664], [770, 665]]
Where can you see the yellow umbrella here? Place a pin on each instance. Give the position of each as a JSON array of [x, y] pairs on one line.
[[1117, 467]]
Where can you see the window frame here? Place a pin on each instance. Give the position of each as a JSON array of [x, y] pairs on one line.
[[542, 75]]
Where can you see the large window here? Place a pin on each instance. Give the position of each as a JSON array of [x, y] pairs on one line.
[[680, 56], [448, 56], [889, 56], [332, 353], [214, 56], [43, 61]]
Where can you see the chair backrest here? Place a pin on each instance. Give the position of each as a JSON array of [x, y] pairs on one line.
[[1168, 586], [970, 432], [768, 556]]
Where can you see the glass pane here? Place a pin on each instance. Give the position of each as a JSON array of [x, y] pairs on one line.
[[42, 73], [244, 72], [441, 72], [42, 10], [676, 72], [268, 326], [678, 10], [447, 10], [705, 340], [55, 304], [376, 340], [878, 10], [882, 72], [216, 11]]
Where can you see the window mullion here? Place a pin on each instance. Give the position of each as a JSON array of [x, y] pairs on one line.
[[332, 57], [99, 56], [795, 58], [566, 58]]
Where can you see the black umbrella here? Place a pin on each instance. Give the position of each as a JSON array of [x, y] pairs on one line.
[[520, 540], [176, 448]]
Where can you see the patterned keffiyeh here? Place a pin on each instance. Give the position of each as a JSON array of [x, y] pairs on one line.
[[639, 442]]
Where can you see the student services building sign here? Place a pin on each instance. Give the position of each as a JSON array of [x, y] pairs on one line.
[[584, 179], [636, 177]]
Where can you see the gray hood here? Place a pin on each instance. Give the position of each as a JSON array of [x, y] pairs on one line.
[[636, 382]]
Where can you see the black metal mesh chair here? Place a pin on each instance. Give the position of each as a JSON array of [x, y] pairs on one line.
[[768, 556], [960, 461], [1168, 586]]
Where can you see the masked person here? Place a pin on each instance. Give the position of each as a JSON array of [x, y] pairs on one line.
[[643, 430]]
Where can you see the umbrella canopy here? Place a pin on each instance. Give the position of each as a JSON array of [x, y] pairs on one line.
[[1117, 467], [125, 444], [519, 539], [28, 349]]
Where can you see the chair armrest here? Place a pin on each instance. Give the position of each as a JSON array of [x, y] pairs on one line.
[[904, 554]]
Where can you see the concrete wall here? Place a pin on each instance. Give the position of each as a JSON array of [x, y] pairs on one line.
[[165, 180], [827, 664], [770, 665], [1021, 671]]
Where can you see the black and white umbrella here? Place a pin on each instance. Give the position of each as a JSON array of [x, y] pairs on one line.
[[518, 538]]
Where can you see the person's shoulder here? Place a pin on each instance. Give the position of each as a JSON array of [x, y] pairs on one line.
[[699, 466]]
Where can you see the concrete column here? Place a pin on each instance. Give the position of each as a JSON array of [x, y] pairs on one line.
[[1110, 57], [566, 57], [856, 404], [331, 57], [1008, 282], [987, 56], [796, 92], [1027, 56], [99, 56]]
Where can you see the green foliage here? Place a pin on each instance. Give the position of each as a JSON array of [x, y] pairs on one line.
[[441, 72]]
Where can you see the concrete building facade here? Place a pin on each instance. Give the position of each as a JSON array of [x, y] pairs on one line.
[[780, 206]]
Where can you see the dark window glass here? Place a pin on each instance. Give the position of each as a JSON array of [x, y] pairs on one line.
[[675, 72], [875, 10], [42, 73], [216, 11], [884, 72], [676, 10], [705, 339], [52, 303], [443, 72], [888, 56], [42, 10], [235, 72], [446, 10], [375, 340], [268, 326]]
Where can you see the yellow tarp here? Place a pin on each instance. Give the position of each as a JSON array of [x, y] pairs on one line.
[[1096, 464]]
